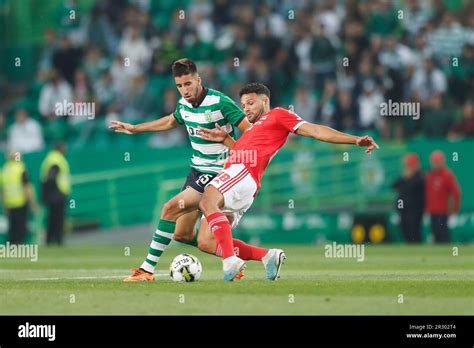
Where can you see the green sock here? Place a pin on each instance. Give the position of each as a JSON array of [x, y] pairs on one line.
[[161, 239]]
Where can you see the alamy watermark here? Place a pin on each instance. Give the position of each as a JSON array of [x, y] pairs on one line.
[[19, 251], [391, 108], [76, 109], [346, 251], [240, 156], [37, 331]]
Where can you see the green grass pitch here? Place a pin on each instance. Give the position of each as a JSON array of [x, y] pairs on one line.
[[82, 279]]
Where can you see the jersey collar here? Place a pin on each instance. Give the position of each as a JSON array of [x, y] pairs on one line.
[[259, 117], [201, 97]]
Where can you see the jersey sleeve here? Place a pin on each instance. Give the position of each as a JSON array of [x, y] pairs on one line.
[[177, 115], [289, 120], [231, 112]]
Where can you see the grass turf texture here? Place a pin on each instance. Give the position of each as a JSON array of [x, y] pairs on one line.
[[431, 280]]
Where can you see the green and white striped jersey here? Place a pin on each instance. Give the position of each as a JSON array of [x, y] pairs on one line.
[[216, 107]]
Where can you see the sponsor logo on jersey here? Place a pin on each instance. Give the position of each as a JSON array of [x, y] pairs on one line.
[[208, 115]]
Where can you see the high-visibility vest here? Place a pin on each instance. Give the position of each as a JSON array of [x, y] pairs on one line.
[[63, 179], [12, 184]]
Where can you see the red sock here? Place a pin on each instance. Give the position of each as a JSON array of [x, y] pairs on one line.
[[220, 227], [248, 252], [244, 251]]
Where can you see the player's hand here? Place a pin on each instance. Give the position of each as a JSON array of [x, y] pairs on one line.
[[217, 134], [121, 127], [367, 142]]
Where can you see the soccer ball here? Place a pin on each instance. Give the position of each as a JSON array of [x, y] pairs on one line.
[[185, 268]]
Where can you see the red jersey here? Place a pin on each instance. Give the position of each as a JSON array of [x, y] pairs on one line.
[[258, 144], [439, 186]]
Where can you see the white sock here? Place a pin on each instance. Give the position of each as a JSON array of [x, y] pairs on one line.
[[147, 267]]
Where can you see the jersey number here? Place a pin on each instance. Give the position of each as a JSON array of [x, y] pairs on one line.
[[204, 179]]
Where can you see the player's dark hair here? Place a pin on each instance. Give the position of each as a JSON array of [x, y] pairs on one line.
[[255, 87], [183, 66]]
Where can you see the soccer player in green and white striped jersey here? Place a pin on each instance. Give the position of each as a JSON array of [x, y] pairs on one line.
[[215, 107], [198, 107]]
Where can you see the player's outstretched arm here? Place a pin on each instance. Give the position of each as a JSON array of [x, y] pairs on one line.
[[218, 135], [163, 124], [329, 135]]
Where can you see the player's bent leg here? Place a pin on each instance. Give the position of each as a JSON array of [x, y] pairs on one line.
[[161, 239], [205, 239], [208, 244], [211, 201], [272, 259], [211, 204], [185, 231], [185, 202]]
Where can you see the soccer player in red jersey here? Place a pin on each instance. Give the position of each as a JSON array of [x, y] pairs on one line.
[[234, 188]]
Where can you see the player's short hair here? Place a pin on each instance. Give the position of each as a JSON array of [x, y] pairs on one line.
[[255, 87], [183, 66]]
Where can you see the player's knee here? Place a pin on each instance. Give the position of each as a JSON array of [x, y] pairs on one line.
[[184, 233], [169, 211], [182, 238], [206, 245], [165, 211], [204, 204]]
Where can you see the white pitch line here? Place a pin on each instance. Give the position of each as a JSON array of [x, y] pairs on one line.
[[16, 270], [99, 277]]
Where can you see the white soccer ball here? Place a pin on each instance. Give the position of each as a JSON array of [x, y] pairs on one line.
[[185, 268]]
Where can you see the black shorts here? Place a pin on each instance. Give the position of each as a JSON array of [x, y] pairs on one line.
[[197, 180]]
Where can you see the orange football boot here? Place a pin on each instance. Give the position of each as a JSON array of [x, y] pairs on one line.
[[139, 275]]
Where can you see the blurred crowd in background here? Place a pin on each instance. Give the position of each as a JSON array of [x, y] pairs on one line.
[[333, 62]]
